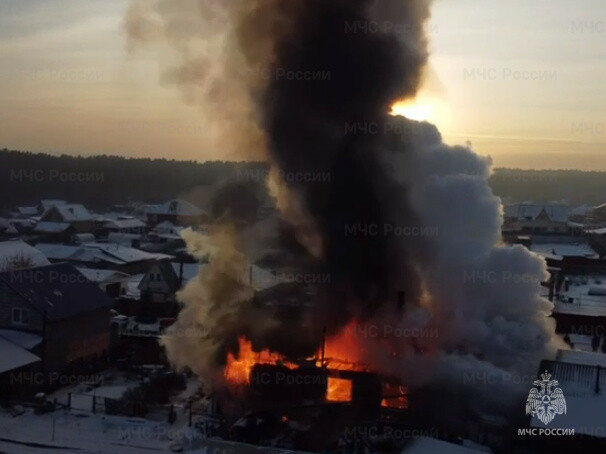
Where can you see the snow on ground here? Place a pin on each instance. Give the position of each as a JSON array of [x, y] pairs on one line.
[[111, 384], [82, 431], [101, 434]]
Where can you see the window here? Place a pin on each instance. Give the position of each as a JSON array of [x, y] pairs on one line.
[[20, 316]]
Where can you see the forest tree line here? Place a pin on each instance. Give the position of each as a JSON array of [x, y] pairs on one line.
[[102, 181]]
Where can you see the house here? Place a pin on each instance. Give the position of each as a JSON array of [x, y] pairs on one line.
[[45, 204], [102, 256], [578, 257], [538, 219], [26, 212], [54, 231], [69, 312], [74, 215], [597, 216], [165, 237], [15, 227], [167, 230], [16, 363], [158, 288], [164, 279], [7, 230], [579, 306], [110, 281], [18, 254], [178, 212], [124, 224]]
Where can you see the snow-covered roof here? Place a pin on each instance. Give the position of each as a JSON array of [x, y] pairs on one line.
[[65, 252], [51, 227], [124, 224], [600, 231], [13, 356], [557, 213], [176, 207], [581, 357], [560, 250], [47, 203], [98, 252], [28, 211], [102, 276], [127, 254], [166, 230], [21, 338], [11, 230], [586, 295], [72, 212], [131, 287], [10, 250], [582, 210], [125, 239]]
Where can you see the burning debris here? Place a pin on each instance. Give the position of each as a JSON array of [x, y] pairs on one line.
[[383, 213]]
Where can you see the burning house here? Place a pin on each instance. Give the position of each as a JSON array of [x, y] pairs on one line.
[[378, 204]]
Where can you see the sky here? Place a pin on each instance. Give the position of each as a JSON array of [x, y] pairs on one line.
[[522, 81]]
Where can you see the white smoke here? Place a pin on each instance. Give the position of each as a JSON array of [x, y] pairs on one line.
[[482, 316]]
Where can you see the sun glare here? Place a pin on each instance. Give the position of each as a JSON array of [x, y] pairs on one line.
[[413, 110]]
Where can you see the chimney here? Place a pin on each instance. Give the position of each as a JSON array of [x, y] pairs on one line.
[[181, 272]]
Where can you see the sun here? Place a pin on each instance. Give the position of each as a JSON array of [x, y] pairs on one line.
[[413, 110]]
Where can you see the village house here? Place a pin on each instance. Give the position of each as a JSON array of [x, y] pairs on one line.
[[125, 225], [66, 215], [110, 281], [69, 313], [538, 219], [26, 212], [579, 308], [178, 212], [597, 216], [17, 254], [16, 363], [45, 204], [102, 256]]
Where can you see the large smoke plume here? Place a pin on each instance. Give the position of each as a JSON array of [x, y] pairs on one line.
[[377, 204]]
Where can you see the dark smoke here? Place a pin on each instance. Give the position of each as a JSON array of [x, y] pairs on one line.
[[313, 71], [308, 123], [336, 173], [309, 84]]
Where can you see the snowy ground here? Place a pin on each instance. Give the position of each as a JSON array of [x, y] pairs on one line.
[[100, 434], [82, 431]]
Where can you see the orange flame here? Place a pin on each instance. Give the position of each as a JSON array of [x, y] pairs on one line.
[[396, 396], [342, 351], [339, 390], [238, 369]]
